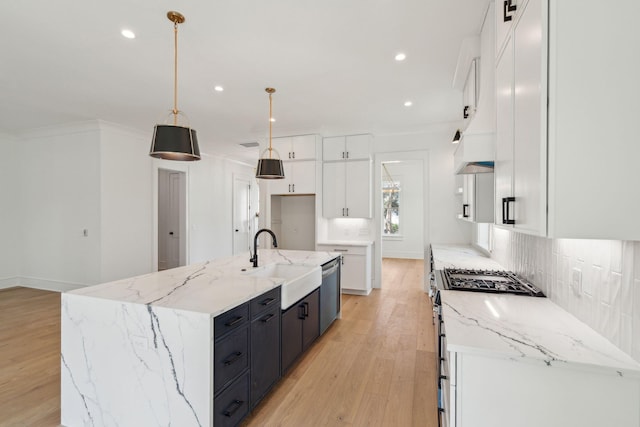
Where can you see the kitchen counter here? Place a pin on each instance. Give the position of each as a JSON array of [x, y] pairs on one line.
[[462, 256], [528, 329], [211, 287], [141, 350]]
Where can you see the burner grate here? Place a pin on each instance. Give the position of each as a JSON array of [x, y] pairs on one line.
[[496, 281]]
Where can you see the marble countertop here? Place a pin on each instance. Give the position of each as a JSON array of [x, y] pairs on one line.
[[211, 287], [462, 256], [527, 329]]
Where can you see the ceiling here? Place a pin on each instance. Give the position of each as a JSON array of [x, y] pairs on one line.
[[331, 62]]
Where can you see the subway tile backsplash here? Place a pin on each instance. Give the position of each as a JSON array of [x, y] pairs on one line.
[[598, 281]]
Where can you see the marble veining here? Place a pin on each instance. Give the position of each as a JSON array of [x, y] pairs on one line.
[[528, 328], [461, 256]]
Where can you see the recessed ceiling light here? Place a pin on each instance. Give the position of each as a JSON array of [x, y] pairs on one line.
[[408, 103], [401, 57], [218, 88], [128, 34]]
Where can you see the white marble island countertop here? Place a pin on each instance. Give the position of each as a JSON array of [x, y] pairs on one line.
[[529, 329], [211, 287]]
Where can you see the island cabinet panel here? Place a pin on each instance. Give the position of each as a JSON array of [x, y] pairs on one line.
[[300, 327], [231, 320], [265, 344], [232, 405], [231, 355]]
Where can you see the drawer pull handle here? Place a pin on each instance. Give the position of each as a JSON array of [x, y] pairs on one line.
[[235, 321], [267, 318], [341, 250], [443, 377], [233, 408], [233, 358], [267, 301]]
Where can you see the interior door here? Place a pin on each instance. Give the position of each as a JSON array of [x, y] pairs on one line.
[[171, 219], [241, 215]]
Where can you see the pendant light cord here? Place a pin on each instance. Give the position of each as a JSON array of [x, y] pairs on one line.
[[175, 74], [270, 123]]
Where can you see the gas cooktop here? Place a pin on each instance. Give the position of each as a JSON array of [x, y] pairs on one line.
[[493, 281]]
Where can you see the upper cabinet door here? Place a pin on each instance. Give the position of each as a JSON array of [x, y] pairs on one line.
[[303, 147], [333, 190], [358, 147], [506, 12], [358, 189], [504, 135], [282, 146], [333, 148], [530, 143]]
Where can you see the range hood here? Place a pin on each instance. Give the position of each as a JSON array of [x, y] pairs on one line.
[[476, 150]]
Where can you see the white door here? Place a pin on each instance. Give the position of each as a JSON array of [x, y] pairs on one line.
[[358, 189], [333, 190], [241, 215], [171, 219]]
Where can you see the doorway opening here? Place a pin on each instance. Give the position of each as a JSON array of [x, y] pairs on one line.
[[172, 219], [401, 208]]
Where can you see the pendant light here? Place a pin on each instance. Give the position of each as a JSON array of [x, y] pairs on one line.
[[171, 141], [270, 167]]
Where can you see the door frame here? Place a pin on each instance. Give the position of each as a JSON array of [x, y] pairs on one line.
[[380, 158], [174, 167], [253, 204]]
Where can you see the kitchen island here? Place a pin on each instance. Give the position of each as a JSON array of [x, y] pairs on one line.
[[140, 351]]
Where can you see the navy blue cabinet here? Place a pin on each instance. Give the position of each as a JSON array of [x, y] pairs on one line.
[[300, 328]]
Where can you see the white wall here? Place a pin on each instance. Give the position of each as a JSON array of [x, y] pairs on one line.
[[210, 205], [59, 199], [126, 203], [9, 214], [409, 241], [608, 299]]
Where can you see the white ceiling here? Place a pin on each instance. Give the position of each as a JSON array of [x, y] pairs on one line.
[[331, 61]]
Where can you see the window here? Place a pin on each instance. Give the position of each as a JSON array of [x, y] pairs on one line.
[[391, 206]]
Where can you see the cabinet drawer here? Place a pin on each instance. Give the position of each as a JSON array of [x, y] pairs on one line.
[[264, 302], [232, 405], [231, 320], [231, 357]]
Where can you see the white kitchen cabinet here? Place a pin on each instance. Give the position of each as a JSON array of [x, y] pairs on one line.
[[573, 112], [299, 178], [506, 13], [299, 147], [353, 147], [470, 91], [478, 197], [355, 275], [346, 187], [521, 147]]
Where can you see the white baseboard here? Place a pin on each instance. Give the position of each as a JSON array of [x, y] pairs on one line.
[[47, 285], [9, 282]]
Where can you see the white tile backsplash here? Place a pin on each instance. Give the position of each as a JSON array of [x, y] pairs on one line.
[[608, 299]]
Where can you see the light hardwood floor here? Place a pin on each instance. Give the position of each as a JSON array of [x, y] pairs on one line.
[[373, 367]]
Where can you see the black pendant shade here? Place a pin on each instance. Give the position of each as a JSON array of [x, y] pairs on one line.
[[270, 169], [171, 142]]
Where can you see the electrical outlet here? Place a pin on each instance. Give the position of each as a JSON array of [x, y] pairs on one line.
[[576, 281]]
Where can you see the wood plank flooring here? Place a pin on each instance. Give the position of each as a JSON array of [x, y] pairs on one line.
[[373, 367], [29, 357]]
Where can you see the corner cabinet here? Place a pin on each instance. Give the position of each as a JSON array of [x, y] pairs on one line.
[[566, 110], [347, 177]]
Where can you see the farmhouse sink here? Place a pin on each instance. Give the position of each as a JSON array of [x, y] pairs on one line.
[[298, 279]]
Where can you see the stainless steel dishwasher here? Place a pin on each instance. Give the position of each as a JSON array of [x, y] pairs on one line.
[[329, 294]]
